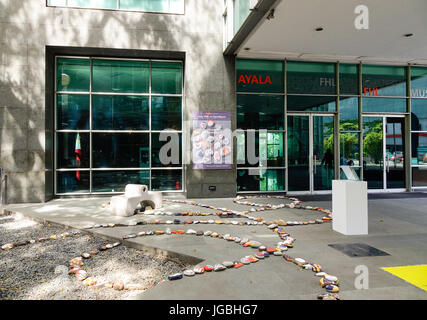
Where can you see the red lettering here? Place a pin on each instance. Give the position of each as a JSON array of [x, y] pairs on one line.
[[241, 79], [251, 79], [248, 78], [268, 80], [254, 80]]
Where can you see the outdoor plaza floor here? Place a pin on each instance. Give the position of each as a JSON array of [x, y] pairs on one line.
[[397, 228]]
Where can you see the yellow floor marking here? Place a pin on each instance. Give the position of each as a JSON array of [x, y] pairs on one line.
[[416, 275]]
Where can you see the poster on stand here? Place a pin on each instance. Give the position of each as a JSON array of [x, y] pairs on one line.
[[212, 140]]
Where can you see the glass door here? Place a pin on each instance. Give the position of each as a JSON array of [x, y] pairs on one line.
[[310, 152], [384, 154]]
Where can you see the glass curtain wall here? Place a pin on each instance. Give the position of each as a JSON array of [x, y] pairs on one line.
[[261, 126], [112, 119]]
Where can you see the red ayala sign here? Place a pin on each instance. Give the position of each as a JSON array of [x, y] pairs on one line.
[[254, 79]]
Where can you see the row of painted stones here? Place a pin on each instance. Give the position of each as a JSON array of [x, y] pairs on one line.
[[9, 246], [330, 283]]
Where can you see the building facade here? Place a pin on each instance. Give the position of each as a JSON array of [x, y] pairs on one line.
[[91, 92]]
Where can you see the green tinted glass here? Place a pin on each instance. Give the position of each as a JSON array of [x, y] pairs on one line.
[[125, 76], [419, 114], [166, 113], [383, 81], [383, 105], [115, 181], [259, 76], [173, 6], [260, 180], [72, 112], [73, 182], [120, 112], [260, 112], [349, 149], [163, 180], [241, 12], [419, 148], [72, 150], [72, 74], [349, 79], [311, 103], [310, 77], [166, 77], [418, 82], [419, 177], [102, 4], [349, 114]]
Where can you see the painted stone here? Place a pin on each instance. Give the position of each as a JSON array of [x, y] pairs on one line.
[[299, 261], [328, 296], [238, 265], [219, 267], [168, 231], [320, 274], [253, 259], [259, 255], [102, 248], [277, 253], [7, 246], [141, 234], [262, 248], [331, 278], [316, 268], [332, 288], [270, 250], [207, 233], [93, 252], [116, 244], [208, 268], [237, 240], [219, 222], [119, 286], [189, 273], [228, 264], [86, 255], [81, 275], [159, 232], [73, 270], [211, 221], [191, 231], [76, 262], [307, 266], [199, 269], [245, 261], [272, 226], [255, 244], [287, 258], [199, 233], [175, 276], [91, 281], [215, 234]]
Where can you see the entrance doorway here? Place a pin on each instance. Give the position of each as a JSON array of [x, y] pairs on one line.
[[310, 152], [384, 152]]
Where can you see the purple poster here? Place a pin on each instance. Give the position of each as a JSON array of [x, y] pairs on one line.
[[211, 139]]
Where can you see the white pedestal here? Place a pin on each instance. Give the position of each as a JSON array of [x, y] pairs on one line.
[[350, 207]]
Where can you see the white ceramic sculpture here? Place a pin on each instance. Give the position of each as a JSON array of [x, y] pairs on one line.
[[125, 205]]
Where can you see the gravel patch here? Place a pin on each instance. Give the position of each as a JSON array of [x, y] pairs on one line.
[[40, 270]]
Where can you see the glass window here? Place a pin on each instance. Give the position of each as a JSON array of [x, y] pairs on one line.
[[73, 182], [264, 148], [120, 112], [383, 105], [120, 150], [311, 103], [261, 179], [419, 148], [349, 114], [241, 12], [383, 80], [310, 77], [349, 79], [172, 6], [166, 78], [72, 112], [418, 82], [259, 76], [419, 177], [419, 114], [166, 113], [72, 74], [115, 181], [72, 150], [350, 149], [103, 4], [170, 156], [260, 112], [166, 180], [124, 76]]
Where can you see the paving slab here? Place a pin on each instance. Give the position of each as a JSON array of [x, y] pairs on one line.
[[397, 226]]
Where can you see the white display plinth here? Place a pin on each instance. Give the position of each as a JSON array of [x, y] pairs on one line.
[[350, 207]]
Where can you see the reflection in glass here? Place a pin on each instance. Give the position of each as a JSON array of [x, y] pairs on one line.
[[311, 103], [419, 148], [323, 152], [419, 114], [395, 152], [72, 150], [419, 177], [166, 113], [120, 150], [349, 79], [383, 80], [173, 6], [418, 82], [170, 156], [166, 77], [72, 181], [166, 180], [72, 112], [383, 105], [262, 76], [72, 74], [298, 153], [349, 114], [115, 181], [102, 4], [266, 149], [124, 76], [311, 77], [349, 149], [260, 112], [373, 156], [260, 179], [120, 112]]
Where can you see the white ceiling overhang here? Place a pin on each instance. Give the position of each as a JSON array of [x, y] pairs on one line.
[[291, 33]]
